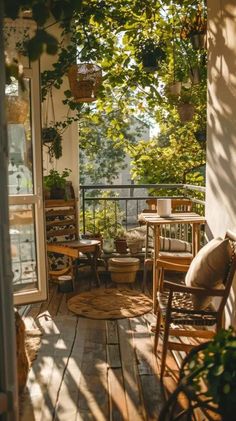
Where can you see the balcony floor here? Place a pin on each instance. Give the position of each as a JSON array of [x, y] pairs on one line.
[[93, 369]]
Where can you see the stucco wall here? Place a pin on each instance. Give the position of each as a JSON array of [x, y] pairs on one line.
[[70, 140], [221, 144]]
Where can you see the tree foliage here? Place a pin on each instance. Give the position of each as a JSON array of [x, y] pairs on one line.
[[116, 35], [102, 140]]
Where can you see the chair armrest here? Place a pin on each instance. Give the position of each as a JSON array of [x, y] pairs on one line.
[[161, 264], [172, 286]]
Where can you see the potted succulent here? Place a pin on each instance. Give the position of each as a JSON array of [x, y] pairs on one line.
[[52, 139], [55, 183], [151, 53], [208, 379]]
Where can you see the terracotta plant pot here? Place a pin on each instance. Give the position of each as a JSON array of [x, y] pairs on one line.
[[121, 245], [186, 112]]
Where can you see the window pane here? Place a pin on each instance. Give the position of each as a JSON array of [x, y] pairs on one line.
[[19, 138], [23, 247]]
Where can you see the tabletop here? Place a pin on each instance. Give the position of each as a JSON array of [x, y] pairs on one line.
[[178, 217], [76, 246]]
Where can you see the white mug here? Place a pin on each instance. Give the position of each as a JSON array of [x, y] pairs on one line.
[[164, 207]]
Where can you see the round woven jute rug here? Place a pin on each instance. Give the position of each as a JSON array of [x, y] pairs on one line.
[[114, 303]]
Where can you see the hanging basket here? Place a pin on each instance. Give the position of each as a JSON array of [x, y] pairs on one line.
[[16, 109], [186, 112], [84, 80]]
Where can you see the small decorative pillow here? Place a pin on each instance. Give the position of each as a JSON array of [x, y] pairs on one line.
[[208, 270]]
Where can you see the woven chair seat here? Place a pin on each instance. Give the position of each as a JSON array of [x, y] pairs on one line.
[[183, 312]]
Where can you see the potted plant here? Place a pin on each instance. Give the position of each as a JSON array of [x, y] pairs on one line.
[[55, 183], [120, 241], [151, 53], [208, 379], [185, 107], [195, 30], [52, 139], [201, 135]]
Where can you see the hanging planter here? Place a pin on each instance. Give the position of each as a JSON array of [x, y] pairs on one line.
[[16, 109], [53, 140], [186, 111], [151, 55], [195, 75], [84, 80], [174, 89], [201, 136], [198, 40], [195, 30]]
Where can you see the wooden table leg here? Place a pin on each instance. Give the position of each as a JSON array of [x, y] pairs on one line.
[[92, 258], [156, 238], [196, 238]]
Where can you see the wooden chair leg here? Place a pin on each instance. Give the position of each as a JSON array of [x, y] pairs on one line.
[[157, 332], [164, 347], [146, 266]]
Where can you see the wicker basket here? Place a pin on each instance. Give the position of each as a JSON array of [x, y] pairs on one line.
[[16, 109], [84, 80], [135, 245], [123, 270]]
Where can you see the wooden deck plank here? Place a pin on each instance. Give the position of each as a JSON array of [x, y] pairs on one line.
[[112, 334], [131, 381], [93, 396], [148, 369], [118, 406], [113, 356], [67, 401]]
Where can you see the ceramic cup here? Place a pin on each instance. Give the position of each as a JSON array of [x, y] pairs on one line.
[[164, 207]]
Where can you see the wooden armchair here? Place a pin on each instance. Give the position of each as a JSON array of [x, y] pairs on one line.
[[177, 314]]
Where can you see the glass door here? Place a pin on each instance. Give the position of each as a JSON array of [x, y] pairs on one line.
[[26, 216]]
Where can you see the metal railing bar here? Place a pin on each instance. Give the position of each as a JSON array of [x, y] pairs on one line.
[[196, 188], [131, 198], [133, 186]]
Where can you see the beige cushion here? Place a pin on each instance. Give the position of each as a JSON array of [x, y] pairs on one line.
[[174, 244], [166, 244], [208, 269]]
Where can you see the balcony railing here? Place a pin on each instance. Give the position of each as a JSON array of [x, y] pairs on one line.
[[121, 204]]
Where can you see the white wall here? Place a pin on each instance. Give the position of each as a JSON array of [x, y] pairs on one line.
[[70, 140], [221, 145]]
